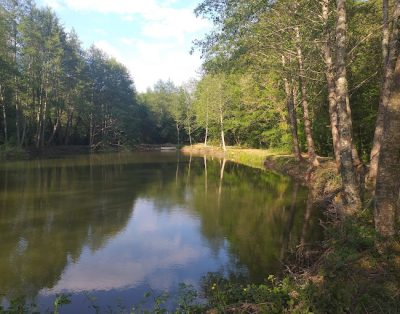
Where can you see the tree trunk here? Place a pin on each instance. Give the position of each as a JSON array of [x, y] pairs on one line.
[[91, 131], [5, 123], [347, 170], [15, 53], [177, 132], [306, 115], [221, 117], [190, 135], [17, 120], [222, 130], [23, 132], [39, 116], [389, 54], [387, 207], [3, 105], [354, 152], [206, 135], [68, 126], [330, 79], [44, 116], [55, 128], [292, 119]]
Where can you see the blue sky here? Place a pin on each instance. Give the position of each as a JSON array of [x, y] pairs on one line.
[[151, 37]]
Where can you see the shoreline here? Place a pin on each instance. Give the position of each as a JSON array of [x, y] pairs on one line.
[[342, 273], [324, 182]]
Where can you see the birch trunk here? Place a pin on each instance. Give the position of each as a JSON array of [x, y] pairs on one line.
[[206, 135], [306, 115], [347, 170], [55, 128], [177, 132], [330, 79], [292, 119], [222, 131], [3, 105]]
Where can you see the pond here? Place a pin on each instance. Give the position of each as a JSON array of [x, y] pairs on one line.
[[107, 228]]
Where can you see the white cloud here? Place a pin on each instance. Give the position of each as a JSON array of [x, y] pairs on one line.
[[149, 8], [54, 4], [109, 49], [128, 18], [163, 60], [128, 41], [160, 49]]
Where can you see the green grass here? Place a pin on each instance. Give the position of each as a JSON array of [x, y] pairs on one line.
[[247, 156]]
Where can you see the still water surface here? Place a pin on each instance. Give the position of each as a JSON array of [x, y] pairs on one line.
[[114, 226]]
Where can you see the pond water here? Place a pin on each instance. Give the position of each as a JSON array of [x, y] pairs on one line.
[[111, 227]]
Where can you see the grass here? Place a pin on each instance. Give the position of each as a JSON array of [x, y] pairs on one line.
[[247, 156]]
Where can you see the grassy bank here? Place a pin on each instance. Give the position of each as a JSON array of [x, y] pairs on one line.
[[250, 157], [324, 178], [343, 273]]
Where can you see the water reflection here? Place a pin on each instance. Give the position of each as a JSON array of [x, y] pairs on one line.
[[119, 224]]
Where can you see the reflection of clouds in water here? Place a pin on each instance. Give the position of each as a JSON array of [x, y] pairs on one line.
[[151, 245]]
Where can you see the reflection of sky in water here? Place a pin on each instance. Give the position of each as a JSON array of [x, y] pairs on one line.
[[69, 226], [156, 251]]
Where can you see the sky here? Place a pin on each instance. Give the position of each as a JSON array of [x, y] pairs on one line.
[[152, 38]]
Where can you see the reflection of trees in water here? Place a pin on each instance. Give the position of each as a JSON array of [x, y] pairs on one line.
[[49, 211], [260, 213]]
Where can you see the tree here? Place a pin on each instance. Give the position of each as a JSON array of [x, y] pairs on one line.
[[347, 170], [390, 37], [387, 209]]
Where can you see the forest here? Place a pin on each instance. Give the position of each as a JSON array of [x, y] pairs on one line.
[[320, 77], [318, 80], [313, 76]]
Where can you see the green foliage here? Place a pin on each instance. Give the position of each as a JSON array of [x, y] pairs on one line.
[[54, 92], [249, 40], [273, 296]]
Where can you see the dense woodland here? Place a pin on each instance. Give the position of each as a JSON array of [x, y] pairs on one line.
[[314, 76], [52, 91], [318, 76]]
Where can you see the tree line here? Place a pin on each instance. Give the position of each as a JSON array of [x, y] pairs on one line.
[[314, 76], [54, 92], [319, 76], [337, 63]]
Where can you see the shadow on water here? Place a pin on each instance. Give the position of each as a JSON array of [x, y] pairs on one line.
[[241, 220]]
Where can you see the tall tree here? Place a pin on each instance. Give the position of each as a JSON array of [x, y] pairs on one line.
[[390, 37], [347, 169], [387, 207], [292, 117], [327, 49]]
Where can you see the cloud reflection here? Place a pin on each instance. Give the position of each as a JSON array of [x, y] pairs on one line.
[[151, 245]]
